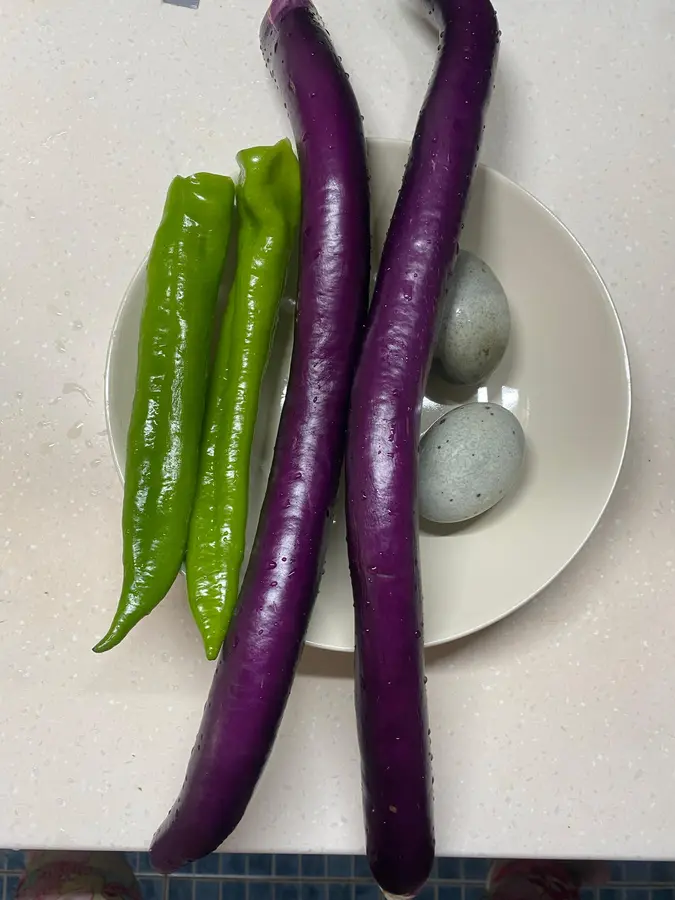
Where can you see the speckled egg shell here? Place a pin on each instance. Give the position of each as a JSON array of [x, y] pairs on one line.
[[475, 322], [469, 461]]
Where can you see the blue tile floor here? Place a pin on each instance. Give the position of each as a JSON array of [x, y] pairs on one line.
[[257, 876]]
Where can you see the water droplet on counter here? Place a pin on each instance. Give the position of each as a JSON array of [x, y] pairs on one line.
[[70, 387], [76, 430], [60, 345], [77, 325], [54, 310], [47, 448], [94, 463], [19, 395]]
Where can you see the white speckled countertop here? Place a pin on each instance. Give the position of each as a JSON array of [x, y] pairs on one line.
[[554, 732]]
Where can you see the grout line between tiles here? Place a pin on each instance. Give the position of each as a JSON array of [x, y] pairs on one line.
[[615, 886]]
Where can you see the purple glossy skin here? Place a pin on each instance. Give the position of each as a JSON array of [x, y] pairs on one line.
[[256, 668], [420, 249]]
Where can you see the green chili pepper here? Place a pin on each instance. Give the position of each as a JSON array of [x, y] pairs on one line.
[[183, 276], [268, 203]]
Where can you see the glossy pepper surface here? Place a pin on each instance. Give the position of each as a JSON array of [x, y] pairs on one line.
[[183, 276], [268, 206]]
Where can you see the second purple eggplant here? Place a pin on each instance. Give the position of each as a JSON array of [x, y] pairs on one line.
[[381, 463]]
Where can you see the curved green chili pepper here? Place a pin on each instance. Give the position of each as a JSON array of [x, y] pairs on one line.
[[183, 276], [268, 203]]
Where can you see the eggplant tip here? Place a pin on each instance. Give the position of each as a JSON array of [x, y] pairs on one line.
[[279, 8]]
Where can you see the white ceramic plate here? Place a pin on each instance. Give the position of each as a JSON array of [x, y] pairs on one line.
[[565, 375]]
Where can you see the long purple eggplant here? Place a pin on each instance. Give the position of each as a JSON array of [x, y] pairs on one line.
[[256, 668], [381, 464]]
